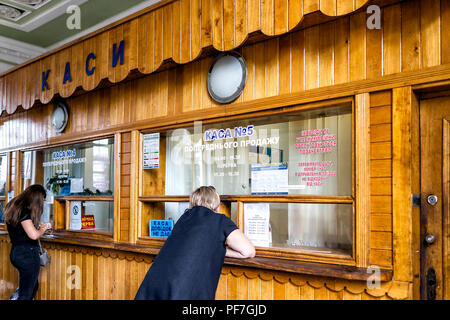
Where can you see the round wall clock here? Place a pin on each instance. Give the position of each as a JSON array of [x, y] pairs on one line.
[[60, 117], [226, 77]]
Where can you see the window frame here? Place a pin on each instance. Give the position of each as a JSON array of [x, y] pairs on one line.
[[296, 254], [61, 204]]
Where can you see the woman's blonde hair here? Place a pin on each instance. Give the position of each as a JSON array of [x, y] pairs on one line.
[[205, 197]]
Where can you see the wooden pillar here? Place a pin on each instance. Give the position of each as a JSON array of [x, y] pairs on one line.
[[405, 174], [362, 237]]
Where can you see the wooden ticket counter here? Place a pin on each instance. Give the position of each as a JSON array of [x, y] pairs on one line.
[[321, 159]]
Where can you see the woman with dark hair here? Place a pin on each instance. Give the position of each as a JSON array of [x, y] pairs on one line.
[[22, 215]]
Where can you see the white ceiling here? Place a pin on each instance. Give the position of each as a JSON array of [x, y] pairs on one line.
[[14, 52]]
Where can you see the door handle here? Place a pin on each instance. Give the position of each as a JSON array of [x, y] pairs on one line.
[[432, 199], [431, 284]]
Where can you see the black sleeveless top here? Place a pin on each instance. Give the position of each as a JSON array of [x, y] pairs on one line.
[[17, 234], [188, 266]]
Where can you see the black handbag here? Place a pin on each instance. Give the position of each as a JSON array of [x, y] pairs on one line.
[[44, 259]]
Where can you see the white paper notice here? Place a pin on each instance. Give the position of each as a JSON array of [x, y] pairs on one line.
[[256, 223], [76, 185], [150, 151], [75, 215], [269, 179]]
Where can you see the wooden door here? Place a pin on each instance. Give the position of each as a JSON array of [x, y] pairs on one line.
[[435, 197]]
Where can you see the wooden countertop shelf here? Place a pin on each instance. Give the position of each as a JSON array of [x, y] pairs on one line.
[[258, 198], [84, 198], [299, 267]]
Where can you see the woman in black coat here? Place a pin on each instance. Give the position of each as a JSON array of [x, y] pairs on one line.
[[22, 214], [188, 266]]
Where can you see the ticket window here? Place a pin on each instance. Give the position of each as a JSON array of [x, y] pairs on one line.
[[81, 175], [287, 178]]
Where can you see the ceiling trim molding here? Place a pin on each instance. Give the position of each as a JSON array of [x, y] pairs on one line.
[[13, 52], [104, 23], [29, 6], [43, 18]]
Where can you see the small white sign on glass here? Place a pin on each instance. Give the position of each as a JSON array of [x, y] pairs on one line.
[[75, 215], [76, 185], [256, 223], [150, 151]]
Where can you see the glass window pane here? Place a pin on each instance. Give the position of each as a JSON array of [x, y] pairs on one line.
[[303, 153], [2, 211], [79, 169], [3, 174], [95, 216], [82, 169], [305, 226]]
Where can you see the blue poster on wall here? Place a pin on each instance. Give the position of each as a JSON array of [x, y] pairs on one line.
[[160, 228]]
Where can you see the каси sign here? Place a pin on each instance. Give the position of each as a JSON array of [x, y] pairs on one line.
[[117, 53]]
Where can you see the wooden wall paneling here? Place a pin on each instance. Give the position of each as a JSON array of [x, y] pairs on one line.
[[253, 15], [326, 50], [158, 46], [285, 67], [310, 6], [30, 92], [90, 47], [298, 61], [374, 50], [228, 24], [232, 287], [77, 68], [197, 90], [280, 8], [402, 184], [131, 36], [254, 288], [207, 101], [266, 289], [92, 110], [358, 46], [241, 30], [142, 52], [267, 16], [206, 23], [271, 55], [176, 31], [430, 33], [259, 75], [167, 32], [242, 293], [47, 63], [329, 7], [186, 39], [187, 87], [392, 39], [343, 7], [292, 291], [410, 35], [306, 292], [221, 292], [445, 37], [312, 58], [279, 290]]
